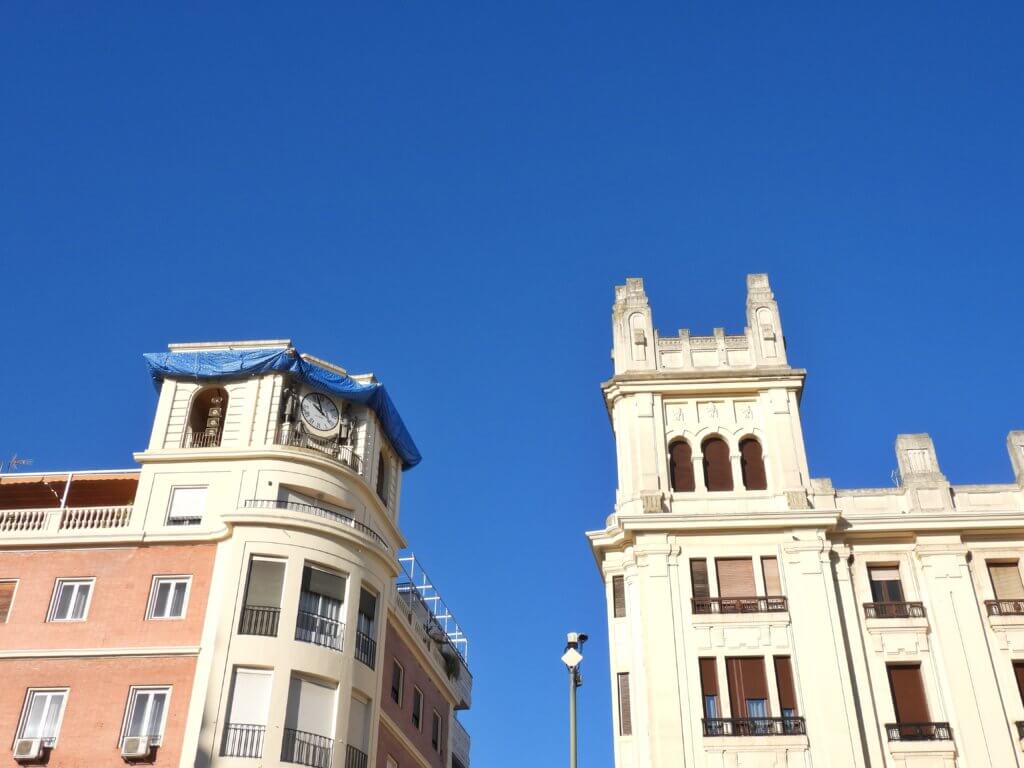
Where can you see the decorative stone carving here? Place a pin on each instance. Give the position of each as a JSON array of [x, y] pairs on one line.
[[652, 502]]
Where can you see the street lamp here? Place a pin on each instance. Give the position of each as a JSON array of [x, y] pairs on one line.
[[572, 658]]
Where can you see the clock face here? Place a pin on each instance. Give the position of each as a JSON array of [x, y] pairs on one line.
[[319, 411]]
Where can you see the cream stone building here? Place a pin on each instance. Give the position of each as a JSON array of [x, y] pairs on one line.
[[759, 617]]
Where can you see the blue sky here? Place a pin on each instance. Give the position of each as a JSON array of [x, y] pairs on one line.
[[446, 195]]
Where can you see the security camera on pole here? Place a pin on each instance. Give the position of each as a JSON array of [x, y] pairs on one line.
[[572, 658]]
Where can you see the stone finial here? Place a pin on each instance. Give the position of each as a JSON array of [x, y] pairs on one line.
[[763, 322], [915, 455], [631, 294], [1015, 445], [635, 343]]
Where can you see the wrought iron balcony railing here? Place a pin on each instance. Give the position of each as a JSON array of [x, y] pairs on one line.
[[310, 509], [754, 726], [1005, 607], [325, 446], [306, 748], [259, 620], [200, 440], [355, 758], [243, 740], [319, 630], [894, 610], [704, 605], [366, 649], [919, 731]]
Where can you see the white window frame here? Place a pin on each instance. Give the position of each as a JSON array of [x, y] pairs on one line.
[[129, 710], [169, 520], [78, 583], [391, 762], [161, 579], [436, 716], [415, 690], [401, 682], [14, 595], [29, 695]]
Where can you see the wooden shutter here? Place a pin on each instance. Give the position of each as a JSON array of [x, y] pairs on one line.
[[699, 578], [618, 597], [784, 679], [708, 677], [625, 712], [681, 466], [746, 681], [1006, 581], [752, 465], [908, 693], [735, 577], [772, 582], [717, 466], [6, 598], [1018, 672]]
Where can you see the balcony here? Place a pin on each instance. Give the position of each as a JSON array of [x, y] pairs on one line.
[[716, 605], [243, 740], [259, 620], [325, 446], [366, 649], [355, 758], [75, 520], [894, 610], [1005, 607], [919, 732], [306, 749], [755, 726], [319, 630], [200, 439], [309, 509]]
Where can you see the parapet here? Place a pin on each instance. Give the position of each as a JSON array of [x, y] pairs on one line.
[[638, 347]]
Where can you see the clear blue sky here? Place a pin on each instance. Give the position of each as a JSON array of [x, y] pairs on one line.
[[446, 194]]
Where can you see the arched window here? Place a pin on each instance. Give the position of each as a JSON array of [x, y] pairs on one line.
[[717, 468], [680, 461], [206, 418], [752, 462]]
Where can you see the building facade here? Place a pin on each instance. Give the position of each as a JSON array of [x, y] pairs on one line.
[[760, 617], [240, 599]]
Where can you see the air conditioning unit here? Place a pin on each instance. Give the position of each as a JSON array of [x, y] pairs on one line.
[[135, 747], [28, 749]]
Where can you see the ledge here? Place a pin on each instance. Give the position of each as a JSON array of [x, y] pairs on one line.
[[755, 743]]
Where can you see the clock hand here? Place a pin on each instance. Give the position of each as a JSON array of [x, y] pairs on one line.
[[316, 402]]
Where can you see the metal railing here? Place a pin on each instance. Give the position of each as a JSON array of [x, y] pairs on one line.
[[894, 610], [306, 748], [918, 731], [355, 757], [325, 446], [754, 726], [243, 740], [705, 605], [313, 628], [310, 509], [200, 440], [1005, 607], [366, 649], [259, 620]]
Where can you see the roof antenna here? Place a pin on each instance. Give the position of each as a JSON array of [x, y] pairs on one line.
[[13, 463]]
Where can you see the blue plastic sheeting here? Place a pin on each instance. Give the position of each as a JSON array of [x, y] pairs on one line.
[[240, 363]]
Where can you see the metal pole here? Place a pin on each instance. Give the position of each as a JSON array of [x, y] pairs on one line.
[[572, 717]]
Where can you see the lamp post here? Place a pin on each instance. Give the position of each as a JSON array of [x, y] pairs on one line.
[[572, 658]]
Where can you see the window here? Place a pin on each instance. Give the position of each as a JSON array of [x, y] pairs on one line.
[[752, 465], [618, 597], [748, 687], [366, 629], [71, 599], [1006, 582], [625, 710], [908, 697], [262, 607], [397, 683], [417, 708], [383, 476], [320, 603], [147, 712], [699, 579], [435, 731], [206, 418], [187, 505], [1018, 673], [42, 714], [309, 720], [885, 583], [717, 464], [772, 582], [735, 577], [168, 598], [6, 599], [680, 461], [247, 715], [709, 688], [787, 691]]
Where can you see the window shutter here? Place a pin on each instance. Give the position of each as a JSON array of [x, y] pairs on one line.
[[250, 699], [187, 503], [772, 582], [885, 584], [736, 577], [908, 693], [752, 464], [681, 466], [717, 466], [708, 677], [6, 598], [625, 712], [699, 578], [618, 596], [784, 678], [1006, 581], [746, 681], [1018, 672]]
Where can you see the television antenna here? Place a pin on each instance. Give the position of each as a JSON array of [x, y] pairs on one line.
[[14, 462]]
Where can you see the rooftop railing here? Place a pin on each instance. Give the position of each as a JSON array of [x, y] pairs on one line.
[[902, 610], [73, 519], [705, 605], [310, 509], [755, 726], [325, 446]]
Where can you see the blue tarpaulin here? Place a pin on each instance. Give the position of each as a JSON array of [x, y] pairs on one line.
[[241, 363]]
